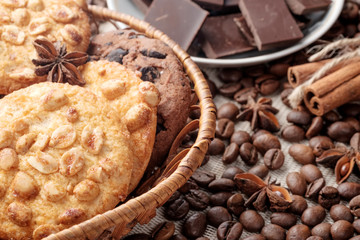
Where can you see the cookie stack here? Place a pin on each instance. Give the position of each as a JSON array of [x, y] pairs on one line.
[[68, 152]]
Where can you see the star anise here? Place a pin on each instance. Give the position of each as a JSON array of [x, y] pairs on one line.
[[263, 194], [57, 64], [260, 114]]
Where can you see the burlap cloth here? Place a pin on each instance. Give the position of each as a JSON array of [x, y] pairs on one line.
[[216, 166]]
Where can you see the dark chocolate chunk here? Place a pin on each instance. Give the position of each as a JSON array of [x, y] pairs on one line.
[[180, 19], [222, 37], [117, 55], [153, 54], [149, 74], [270, 22], [300, 7], [245, 30], [210, 4]]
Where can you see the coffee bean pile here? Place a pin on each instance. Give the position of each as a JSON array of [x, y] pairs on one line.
[[212, 204]]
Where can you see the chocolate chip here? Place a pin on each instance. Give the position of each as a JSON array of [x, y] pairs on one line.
[[117, 55], [153, 54], [149, 74]]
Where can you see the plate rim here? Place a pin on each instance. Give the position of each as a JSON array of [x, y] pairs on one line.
[[329, 19]]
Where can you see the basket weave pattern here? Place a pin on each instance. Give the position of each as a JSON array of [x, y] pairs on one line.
[[142, 208]]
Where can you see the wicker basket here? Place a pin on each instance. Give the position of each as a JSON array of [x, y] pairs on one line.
[[143, 208]]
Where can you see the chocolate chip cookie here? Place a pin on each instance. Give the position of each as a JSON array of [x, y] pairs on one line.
[[157, 63]]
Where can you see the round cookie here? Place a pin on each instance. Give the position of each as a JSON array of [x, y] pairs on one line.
[[22, 21], [157, 63], [64, 157], [135, 102]]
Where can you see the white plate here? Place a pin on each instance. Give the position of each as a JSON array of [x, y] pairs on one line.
[[320, 22]]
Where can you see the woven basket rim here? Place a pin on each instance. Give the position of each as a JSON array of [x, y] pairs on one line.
[[143, 208]]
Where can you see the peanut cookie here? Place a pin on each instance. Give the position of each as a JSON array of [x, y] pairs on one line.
[[64, 157], [134, 100], [22, 21], [158, 64]]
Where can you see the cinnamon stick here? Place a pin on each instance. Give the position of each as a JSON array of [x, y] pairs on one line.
[[301, 73], [334, 90]]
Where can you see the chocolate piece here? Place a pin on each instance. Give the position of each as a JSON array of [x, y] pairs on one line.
[[231, 3], [300, 7], [270, 22], [245, 30], [222, 37], [142, 5], [180, 19], [210, 4]]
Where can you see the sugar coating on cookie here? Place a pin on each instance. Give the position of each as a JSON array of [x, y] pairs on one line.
[[134, 101], [65, 156], [22, 21]]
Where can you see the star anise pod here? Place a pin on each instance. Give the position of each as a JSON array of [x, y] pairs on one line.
[[260, 114], [263, 194], [57, 64], [330, 157]]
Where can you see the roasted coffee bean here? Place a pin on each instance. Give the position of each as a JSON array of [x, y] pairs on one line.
[[322, 230], [230, 172], [273, 232], [314, 238], [341, 131], [198, 199], [274, 159], [350, 109], [235, 204], [355, 238], [220, 198], [302, 153], [265, 142], [195, 225], [178, 237], [296, 183], [255, 71], [353, 122], [202, 238], [173, 197], [356, 225], [212, 87], [177, 210], [328, 196], [348, 190], [229, 230], [252, 221], [310, 172], [313, 216], [350, 11], [267, 84], [259, 170], [285, 220], [163, 231], [243, 95], [279, 69], [298, 204], [299, 117], [255, 237], [217, 215], [331, 116], [298, 232], [248, 153], [354, 205], [190, 184], [319, 144], [203, 178], [224, 128], [228, 110], [315, 127], [229, 89], [247, 82], [341, 212], [240, 137], [293, 133], [216, 147], [138, 236], [229, 75], [314, 188], [231, 153], [205, 160], [341, 230], [284, 96], [221, 184], [355, 142]]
